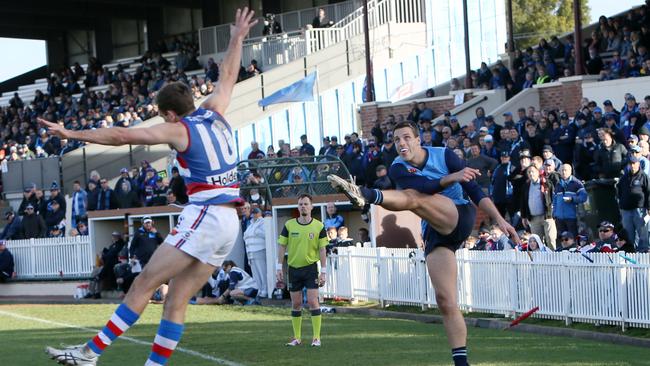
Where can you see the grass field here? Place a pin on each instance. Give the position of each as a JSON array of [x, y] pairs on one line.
[[256, 335]]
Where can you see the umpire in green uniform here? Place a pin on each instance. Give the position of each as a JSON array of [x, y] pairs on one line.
[[304, 240]]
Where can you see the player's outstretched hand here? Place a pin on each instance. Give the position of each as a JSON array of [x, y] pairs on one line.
[[243, 23], [509, 230], [464, 176], [53, 128]]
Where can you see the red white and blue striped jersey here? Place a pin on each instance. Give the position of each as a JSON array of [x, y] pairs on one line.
[[209, 163]]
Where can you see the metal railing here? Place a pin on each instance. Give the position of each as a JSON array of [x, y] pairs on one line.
[[277, 175], [280, 49], [215, 39], [604, 289], [52, 258]]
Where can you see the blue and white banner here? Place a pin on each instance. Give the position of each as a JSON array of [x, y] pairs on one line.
[[300, 91]]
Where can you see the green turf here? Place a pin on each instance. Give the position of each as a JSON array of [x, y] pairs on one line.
[[256, 336]]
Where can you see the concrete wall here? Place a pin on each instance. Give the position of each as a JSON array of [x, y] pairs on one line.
[[615, 90], [526, 98]]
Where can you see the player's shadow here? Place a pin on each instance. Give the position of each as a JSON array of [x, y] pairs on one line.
[[393, 235]]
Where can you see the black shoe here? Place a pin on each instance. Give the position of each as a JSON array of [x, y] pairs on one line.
[[97, 296], [88, 296]]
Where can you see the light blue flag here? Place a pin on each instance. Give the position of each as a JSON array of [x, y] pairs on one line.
[[300, 91]]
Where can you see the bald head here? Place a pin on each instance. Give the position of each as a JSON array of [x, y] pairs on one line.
[[565, 171]]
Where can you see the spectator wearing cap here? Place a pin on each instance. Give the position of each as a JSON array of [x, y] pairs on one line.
[[333, 144], [32, 225], [29, 198], [612, 124], [159, 194], [55, 220], [568, 194], [55, 195], [106, 199], [598, 119], [622, 243], [517, 144], [484, 241], [633, 191], [508, 121], [608, 107], [6, 263], [255, 243], [563, 140], [567, 243], [537, 207], [177, 185], [489, 149], [610, 157], [148, 185], [484, 164], [388, 151], [606, 237], [584, 126], [124, 176], [79, 202], [501, 186], [145, 241], [637, 152], [455, 125], [547, 154], [372, 158], [306, 148], [383, 181], [493, 128], [12, 229], [630, 107]]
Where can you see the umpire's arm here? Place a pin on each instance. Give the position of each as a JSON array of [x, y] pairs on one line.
[[283, 240]]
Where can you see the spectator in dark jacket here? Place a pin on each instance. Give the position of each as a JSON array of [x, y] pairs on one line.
[[501, 186], [29, 197], [11, 230], [610, 157], [537, 207], [584, 158], [145, 241], [159, 197], [383, 181], [306, 148], [127, 198], [106, 199], [563, 140], [33, 226], [483, 163], [110, 259], [177, 185], [93, 195], [518, 179], [55, 195], [634, 200], [6, 263], [54, 218]]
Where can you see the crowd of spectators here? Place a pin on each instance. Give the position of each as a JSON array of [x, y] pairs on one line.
[[617, 48]]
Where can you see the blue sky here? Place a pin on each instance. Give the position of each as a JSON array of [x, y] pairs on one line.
[[30, 54]]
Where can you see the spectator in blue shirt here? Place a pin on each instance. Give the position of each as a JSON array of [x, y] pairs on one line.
[[332, 218]]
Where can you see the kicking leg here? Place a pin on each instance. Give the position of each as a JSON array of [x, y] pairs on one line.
[[441, 263], [181, 289]]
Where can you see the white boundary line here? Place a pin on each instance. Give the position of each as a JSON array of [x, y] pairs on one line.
[[219, 361]]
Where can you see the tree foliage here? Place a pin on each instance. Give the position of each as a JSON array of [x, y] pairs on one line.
[[534, 19]]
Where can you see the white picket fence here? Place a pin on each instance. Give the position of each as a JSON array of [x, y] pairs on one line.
[[52, 258], [565, 286]]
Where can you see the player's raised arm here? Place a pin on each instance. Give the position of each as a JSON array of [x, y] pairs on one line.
[[165, 133], [219, 100]]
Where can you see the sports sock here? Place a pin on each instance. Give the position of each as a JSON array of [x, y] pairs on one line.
[[296, 322], [169, 334], [460, 356], [373, 196], [122, 319], [316, 319]]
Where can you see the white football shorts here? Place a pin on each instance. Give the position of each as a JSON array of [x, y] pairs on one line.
[[207, 233]]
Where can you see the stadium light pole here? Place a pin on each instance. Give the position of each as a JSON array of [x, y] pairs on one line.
[[577, 37], [468, 70], [370, 97]]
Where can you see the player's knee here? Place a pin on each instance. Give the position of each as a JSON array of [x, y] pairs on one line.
[[313, 304], [446, 304]]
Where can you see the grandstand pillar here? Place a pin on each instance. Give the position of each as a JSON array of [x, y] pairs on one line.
[[370, 83], [210, 12], [511, 28], [155, 26], [56, 51], [468, 69], [577, 37], [104, 41]]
